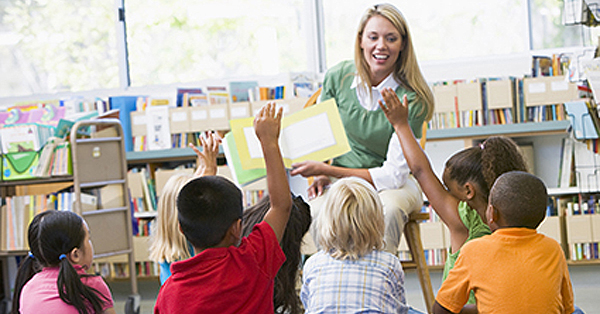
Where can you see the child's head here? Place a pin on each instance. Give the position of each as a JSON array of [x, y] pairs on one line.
[[517, 199], [481, 165], [60, 239], [207, 208], [169, 243], [285, 297], [351, 223]]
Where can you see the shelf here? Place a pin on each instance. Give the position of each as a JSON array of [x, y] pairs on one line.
[[515, 129], [163, 155], [13, 253], [147, 214], [584, 262], [37, 181], [570, 190]]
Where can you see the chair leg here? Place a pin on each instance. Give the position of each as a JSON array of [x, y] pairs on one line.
[[413, 239]]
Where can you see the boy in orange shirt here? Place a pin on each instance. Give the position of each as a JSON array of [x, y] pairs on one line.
[[515, 269]]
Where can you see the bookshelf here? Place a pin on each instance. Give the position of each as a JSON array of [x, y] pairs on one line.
[[98, 161], [575, 232]]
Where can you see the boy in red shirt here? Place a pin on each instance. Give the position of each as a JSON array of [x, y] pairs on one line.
[[229, 274]]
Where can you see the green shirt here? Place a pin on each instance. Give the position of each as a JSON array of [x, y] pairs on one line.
[[368, 132], [477, 228]]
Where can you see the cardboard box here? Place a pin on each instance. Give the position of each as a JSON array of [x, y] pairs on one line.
[[141, 249], [499, 94], [289, 106], [138, 123], [162, 176], [469, 96], [551, 228], [179, 120], [596, 228], [19, 166], [548, 90], [239, 110], [218, 117], [579, 229], [198, 119], [432, 235], [445, 98]]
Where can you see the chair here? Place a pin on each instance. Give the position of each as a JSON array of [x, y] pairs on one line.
[[412, 233]]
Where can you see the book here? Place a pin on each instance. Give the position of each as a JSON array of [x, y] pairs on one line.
[[314, 133], [158, 133], [125, 104], [239, 90], [239, 175], [565, 174]]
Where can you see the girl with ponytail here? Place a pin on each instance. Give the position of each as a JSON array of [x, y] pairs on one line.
[[52, 278]]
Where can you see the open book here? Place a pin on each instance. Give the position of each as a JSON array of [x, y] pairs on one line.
[[314, 133]]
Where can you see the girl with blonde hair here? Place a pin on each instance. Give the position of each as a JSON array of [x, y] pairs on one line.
[[169, 245], [351, 273]]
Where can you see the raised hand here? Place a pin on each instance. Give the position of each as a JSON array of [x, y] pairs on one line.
[[206, 160], [267, 123], [395, 111]]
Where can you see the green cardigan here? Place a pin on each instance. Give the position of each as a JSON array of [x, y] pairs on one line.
[[368, 132]]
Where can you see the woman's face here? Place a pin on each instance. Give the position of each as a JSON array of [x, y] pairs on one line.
[[381, 44]]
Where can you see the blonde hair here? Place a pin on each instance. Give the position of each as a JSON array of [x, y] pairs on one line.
[[407, 69], [351, 223], [169, 244]]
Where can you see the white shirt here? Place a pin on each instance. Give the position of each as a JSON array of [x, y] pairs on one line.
[[394, 171]]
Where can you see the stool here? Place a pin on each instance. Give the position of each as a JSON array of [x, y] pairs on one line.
[[412, 234]]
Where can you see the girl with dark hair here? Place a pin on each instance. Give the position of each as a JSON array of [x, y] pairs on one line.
[[285, 298], [52, 278]]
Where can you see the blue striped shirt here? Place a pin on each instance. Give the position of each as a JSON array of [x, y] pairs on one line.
[[372, 284]]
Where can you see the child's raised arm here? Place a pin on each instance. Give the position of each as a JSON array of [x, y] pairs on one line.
[[267, 124], [444, 203], [206, 160]]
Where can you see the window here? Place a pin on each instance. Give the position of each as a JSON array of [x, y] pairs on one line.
[[171, 41], [49, 46], [440, 29]]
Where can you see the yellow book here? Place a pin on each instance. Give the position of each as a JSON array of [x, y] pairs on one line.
[[314, 133]]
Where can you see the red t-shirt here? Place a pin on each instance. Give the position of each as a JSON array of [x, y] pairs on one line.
[[225, 280]]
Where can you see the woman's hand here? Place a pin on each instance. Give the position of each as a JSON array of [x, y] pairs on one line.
[[308, 168], [395, 112], [320, 183], [206, 160]]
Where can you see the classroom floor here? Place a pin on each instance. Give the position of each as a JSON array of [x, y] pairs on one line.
[[585, 280]]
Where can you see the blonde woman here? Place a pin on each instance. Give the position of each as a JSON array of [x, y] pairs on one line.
[[384, 58], [169, 244], [352, 273]]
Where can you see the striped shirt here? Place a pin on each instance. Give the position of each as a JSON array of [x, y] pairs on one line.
[[372, 284]]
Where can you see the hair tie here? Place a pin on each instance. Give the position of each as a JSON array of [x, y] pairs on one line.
[[30, 254], [60, 258], [481, 145]]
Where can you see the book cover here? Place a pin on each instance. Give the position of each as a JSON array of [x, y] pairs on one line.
[[239, 175], [239, 90], [314, 133], [125, 104]]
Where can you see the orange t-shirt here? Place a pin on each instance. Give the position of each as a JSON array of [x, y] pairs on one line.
[[513, 270]]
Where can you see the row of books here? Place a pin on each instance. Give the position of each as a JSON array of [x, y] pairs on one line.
[[433, 236], [17, 212], [579, 166], [142, 189], [583, 251], [121, 270]]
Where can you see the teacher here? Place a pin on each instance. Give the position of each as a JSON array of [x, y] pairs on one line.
[[383, 57]]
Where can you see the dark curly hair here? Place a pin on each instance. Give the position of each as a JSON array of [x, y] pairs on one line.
[[484, 163], [285, 297]]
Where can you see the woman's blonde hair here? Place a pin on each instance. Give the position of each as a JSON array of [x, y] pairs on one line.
[[407, 69], [351, 223], [169, 244]]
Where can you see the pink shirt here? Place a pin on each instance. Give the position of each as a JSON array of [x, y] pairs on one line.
[[225, 280], [40, 294]]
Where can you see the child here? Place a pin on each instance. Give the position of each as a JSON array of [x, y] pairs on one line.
[[60, 243], [169, 244], [352, 273], [521, 270], [468, 176], [285, 297], [229, 274]]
